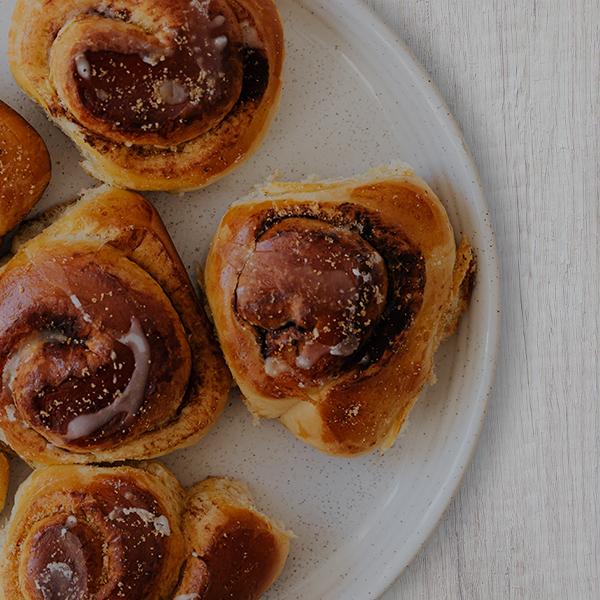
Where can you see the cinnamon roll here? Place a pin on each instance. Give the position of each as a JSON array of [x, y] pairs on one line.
[[330, 300], [157, 94], [24, 168], [135, 533], [105, 353]]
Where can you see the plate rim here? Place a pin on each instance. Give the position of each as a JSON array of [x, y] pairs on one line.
[[424, 83]]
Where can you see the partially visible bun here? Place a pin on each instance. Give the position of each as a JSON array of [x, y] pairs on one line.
[[24, 168], [90, 532], [237, 552]]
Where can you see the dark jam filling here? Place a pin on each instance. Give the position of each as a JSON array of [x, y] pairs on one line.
[[129, 93], [57, 407], [236, 561], [68, 558], [201, 79], [136, 96], [315, 289], [155, 89], [406, 276], [256, 74], [64, 561]]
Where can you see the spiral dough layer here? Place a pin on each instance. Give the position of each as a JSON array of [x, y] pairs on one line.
[[105, 353], [157, 94]]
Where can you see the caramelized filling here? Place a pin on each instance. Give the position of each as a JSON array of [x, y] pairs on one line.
[[315, 290], [88, 359], [195, 82], [239, 561], [326, 293], [86, 392], [64, 561], [256, 74], [112, 545], [158, 95]]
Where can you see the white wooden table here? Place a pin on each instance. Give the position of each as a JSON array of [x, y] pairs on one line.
[[523, 79]]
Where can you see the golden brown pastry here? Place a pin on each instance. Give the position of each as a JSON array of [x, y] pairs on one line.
[[4, 480], [157, 94], [97, 533], [24, 168], [330, 300], [236, 551], [105, 353]]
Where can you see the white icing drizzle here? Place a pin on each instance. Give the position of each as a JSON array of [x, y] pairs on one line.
[[57, 577], [172, 92], [366, 277], [275, 367], [77, 304], [83, 66], [187, 597], [10, 412], [25, 352], [311, 353], [346, 347], [132, 397], [69, 524], [221, 42], [150, 59], [71, 521], [304, 363], [160, 523]]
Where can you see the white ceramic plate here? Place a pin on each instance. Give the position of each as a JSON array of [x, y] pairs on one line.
[[354, 98]]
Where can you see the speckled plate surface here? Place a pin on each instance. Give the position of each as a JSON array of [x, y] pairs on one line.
[[353, 98]]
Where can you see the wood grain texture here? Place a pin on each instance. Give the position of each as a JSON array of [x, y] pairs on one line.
[[523, 79]]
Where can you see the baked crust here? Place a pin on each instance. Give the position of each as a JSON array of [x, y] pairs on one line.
[[235, 550], [136, 533], [70, 299], [47, 37], [360, 402], [24, 168]]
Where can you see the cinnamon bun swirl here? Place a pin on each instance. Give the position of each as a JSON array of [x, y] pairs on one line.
[[330, 300], [135, 533], [157, 94], [105, 353]]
